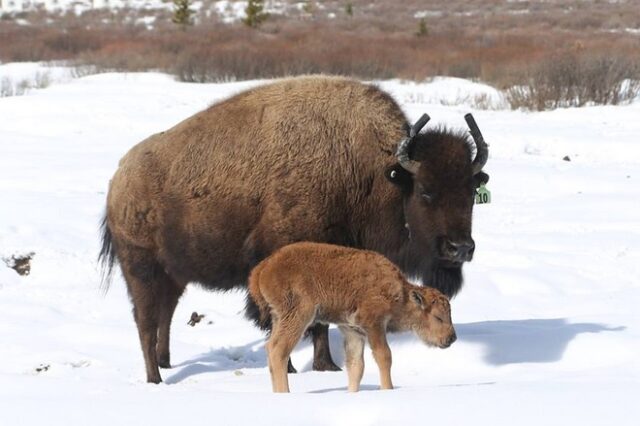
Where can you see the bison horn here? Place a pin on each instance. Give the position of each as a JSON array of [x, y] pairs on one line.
[[482, 150], [402, 153]]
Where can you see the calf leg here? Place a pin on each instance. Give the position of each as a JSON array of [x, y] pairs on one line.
[[321, 354], [382, 355], [167, 307], [276, 351], [354, 351], [286, 333]]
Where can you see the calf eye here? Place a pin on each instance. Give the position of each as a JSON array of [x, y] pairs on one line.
[[439, 319]]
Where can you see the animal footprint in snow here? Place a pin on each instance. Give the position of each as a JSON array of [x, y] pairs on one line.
[[79, 364]]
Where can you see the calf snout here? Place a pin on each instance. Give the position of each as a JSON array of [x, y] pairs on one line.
[[449, 341], [457, 251]]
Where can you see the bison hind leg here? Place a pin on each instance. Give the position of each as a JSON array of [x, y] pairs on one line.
[[154, 295], [167, 307], [252, 312]]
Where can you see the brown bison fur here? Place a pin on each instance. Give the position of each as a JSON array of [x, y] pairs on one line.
[[309, 158], [361, 291]]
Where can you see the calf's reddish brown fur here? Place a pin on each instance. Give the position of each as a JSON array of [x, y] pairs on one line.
[[361, 291]]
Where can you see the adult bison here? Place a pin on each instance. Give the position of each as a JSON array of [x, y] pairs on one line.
[[312, 158]]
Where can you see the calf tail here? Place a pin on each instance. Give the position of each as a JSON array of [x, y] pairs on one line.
[[257, 308], [107, 256]]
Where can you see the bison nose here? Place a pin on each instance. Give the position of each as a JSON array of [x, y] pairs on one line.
[[458, 251]]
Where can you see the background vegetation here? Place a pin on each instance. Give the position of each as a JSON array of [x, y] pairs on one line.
[[545, 54]]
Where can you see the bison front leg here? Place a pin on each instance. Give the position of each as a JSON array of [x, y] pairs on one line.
[[322, 360]]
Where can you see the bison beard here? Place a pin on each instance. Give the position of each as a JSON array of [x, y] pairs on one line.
[[446, 279], [424, 268]]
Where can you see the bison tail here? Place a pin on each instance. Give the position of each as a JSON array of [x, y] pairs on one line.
[[107, 257], [257, 308]]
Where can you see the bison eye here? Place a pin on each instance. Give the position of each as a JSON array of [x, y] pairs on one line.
[[428, 197], [438, 318]]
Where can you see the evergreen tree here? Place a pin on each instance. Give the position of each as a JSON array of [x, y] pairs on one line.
[[255, 13], [309, 7], [349, 9], [182, 13], [423, 31]]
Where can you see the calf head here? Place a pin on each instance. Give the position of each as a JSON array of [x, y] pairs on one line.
[[431, 317]]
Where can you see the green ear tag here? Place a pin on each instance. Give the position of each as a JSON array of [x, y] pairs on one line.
[[483, 195]]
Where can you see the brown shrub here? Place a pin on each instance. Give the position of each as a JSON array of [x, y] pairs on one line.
[[577, 80], [511, 45]]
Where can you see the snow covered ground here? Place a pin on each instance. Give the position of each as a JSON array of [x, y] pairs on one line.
[[548, 324]]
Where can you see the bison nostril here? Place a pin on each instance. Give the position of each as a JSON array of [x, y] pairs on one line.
[[451, 248], [465, 250], [458, 251]]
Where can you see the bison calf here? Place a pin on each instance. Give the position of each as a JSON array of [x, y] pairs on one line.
[[361, 291]]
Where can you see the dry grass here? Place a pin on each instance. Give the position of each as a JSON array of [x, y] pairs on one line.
[[503, 43], [9, 87], [577, 80]]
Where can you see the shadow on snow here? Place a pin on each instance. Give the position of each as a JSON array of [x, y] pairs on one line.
[[251, 355], [505, 342], [519, 341]]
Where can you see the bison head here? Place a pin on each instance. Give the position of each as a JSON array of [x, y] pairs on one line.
[[438, 179]]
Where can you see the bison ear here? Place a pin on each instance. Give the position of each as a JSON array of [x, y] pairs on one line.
[[399, 176], [480, 178], [417, 298]]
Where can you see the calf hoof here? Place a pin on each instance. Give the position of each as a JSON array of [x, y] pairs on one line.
[[290, 368], [325, 365]]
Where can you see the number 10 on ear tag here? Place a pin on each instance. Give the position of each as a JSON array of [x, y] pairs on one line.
[[483, 195]]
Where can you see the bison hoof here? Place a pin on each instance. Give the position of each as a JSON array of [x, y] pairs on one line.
[[163, 361], [154, 379], [325, 365]]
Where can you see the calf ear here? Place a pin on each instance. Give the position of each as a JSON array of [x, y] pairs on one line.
[[417, 298], [399, 176]]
